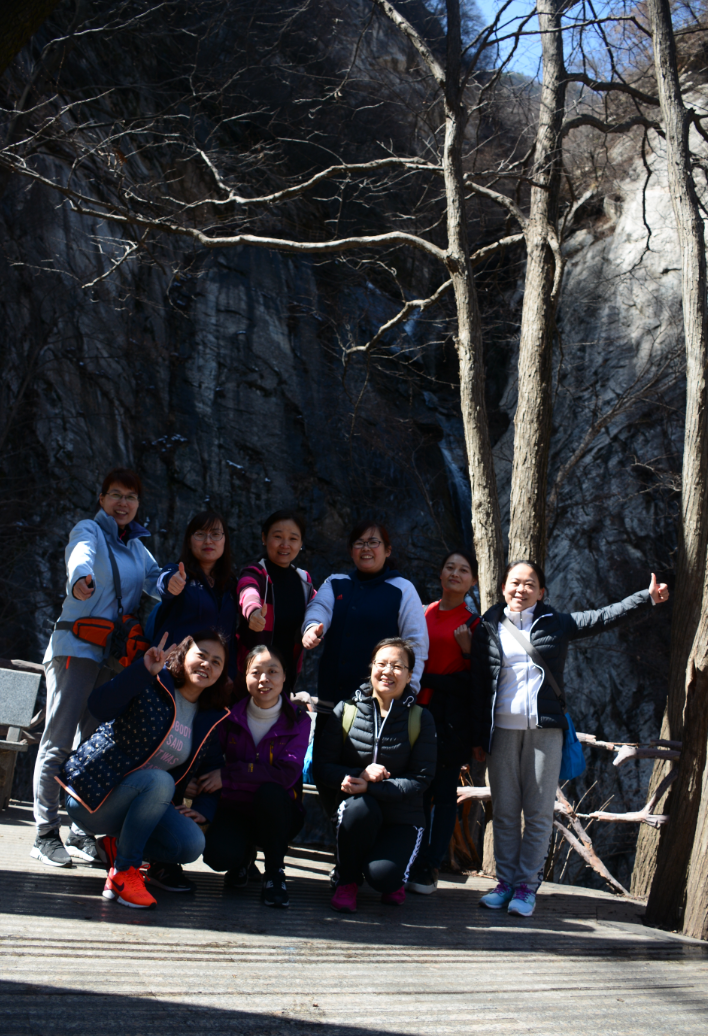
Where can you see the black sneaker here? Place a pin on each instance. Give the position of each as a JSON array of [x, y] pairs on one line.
[[50, 849], [238, 877], [274, 891], [168, 876], [333, 878], [423, 879], [82, 847]]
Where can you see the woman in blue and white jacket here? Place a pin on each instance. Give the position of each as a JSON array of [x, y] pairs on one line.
[[353, 611], [75, 666]]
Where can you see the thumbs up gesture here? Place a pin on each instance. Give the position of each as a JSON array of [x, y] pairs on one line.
[[84, 588], [178, 581], [313, 636], [658, 591], [257, 618]]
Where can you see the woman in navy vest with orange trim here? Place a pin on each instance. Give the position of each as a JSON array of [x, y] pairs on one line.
[[159, 720]]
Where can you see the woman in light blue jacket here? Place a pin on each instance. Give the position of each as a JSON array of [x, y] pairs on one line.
[[75, 665]]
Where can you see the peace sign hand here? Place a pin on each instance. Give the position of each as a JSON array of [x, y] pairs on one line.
[[155, 657], [178, 581], [658, 592]]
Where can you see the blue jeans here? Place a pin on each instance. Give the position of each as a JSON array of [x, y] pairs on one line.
[[140, 815]]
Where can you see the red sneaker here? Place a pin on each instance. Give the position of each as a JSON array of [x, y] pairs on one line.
[[128, 887], [107, 848], [344, 898], [395, 898]]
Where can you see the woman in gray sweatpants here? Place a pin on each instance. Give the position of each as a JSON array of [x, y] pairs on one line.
[[520, 720]]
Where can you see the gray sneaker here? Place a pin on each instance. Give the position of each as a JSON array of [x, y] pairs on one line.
[[82, 847], [50, 849]]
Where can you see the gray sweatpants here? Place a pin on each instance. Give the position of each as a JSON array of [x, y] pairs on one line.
[[69, 684], [523, 770]]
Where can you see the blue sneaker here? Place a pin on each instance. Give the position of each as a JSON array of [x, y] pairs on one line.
[[523, 902], [498, 897]]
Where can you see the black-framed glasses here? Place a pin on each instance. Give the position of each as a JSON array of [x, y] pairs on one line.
[[372, 543]]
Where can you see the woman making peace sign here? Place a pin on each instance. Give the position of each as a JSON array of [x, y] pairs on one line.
[[159, 720]]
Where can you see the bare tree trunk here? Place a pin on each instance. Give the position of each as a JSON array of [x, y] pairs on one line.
[[676, 841], [695, 922], [532, 424], [486, 516]]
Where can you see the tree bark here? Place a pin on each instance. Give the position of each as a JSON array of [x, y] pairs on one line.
[[20, 21], [695, 922], [676, 841], [532, 423], [486, 516]]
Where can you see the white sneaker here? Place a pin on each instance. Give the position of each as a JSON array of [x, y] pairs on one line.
[[523, 902], [498, 897]]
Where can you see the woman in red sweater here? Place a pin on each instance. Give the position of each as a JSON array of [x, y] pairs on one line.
[[445, 690]]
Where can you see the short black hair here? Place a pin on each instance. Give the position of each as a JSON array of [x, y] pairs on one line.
[[532, 564], [469, 558]]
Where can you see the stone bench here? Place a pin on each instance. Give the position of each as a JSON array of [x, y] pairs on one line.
[[19, 685]]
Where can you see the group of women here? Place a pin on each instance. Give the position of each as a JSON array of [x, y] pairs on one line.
[[185, 739]]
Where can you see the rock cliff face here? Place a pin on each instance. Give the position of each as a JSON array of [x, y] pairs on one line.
[[224, 385]]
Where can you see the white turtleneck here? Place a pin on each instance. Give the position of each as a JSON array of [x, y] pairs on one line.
[[519, 680], [261, 720]]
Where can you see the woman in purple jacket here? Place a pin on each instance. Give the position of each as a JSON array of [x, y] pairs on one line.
[[264, 741]]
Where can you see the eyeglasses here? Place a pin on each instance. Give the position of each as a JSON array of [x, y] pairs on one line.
[[202, 537], [130, 498], [395, 667], [360, 544]]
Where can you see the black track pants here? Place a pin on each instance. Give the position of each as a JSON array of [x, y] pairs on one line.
[[369, 849]]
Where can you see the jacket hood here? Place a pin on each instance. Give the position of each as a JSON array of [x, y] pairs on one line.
[[110, 526], [495, 613], [366, 691]]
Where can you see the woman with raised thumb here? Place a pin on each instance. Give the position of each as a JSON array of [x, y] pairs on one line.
[[200, 590], [519, 717]]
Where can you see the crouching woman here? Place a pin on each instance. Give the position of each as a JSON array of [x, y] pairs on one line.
[[379, 752], [159, 720], [264, 743]]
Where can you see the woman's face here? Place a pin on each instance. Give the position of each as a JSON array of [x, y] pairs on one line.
[[369, 553], [204, 664], [208, 544], [390, 674], [283, 543], [264, 680], [457, 575], [121, 503], [522, 588]]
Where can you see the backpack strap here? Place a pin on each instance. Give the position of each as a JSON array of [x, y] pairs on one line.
[[535, 657], [348, 717], [414, 720]]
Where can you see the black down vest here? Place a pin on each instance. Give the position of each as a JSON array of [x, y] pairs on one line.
[[551, 634], [411, 768]]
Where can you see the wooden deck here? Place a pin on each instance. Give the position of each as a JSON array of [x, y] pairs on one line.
[[220, 963]]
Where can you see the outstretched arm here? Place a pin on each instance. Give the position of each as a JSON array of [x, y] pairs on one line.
[[636, 606]]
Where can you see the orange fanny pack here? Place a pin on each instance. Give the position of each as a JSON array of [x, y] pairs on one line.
[[127, 640]]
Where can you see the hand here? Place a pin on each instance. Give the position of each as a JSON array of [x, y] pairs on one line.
[[313, 636], [192, 789], [84, 588], [178, 581], [463, 636], [658, 591], [210, 781], [479, 755], [192, 814], [354, 785], [257, 618], [375, 772], [155, 657]]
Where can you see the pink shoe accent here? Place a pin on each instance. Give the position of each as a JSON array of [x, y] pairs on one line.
[[344, 898], [107, 846], [396, 898]]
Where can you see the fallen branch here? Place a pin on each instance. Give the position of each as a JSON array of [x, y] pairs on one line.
[[640, 816], [640, 752], [582, 843]]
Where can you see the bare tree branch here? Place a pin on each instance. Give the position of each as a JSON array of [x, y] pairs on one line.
[[415, 38], [611, 127], [606, 87]]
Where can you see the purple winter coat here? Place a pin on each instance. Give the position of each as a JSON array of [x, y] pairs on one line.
[[277, 759]]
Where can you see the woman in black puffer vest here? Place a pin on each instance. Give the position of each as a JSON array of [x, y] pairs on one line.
[[379, 753]]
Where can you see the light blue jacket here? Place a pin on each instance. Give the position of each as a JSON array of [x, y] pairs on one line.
[[87, 552]]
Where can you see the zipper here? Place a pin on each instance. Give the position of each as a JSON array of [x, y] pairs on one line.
[[378, 731]]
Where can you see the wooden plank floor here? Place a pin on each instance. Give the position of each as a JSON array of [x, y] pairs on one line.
[[221, 963]]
